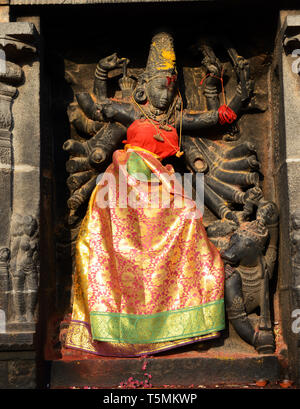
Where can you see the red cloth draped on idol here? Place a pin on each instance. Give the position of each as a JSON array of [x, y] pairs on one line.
[[147, 278]]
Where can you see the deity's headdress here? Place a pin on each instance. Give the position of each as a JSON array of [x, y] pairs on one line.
[[161, 57], [161, 61]]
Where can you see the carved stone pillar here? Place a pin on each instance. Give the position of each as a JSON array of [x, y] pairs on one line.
[[288, 171], [6, 94], [4, 286], [19, 202]]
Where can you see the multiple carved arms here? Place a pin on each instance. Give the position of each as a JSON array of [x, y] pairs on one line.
[[125, 113], [231, 182]]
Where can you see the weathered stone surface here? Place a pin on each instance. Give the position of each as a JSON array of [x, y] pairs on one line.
[[20, 195], [14, 341], [287, 172], [22, 374], [3, 375], [26, 180], [18, 28], [183, 369], [5, 193], [17, 370]]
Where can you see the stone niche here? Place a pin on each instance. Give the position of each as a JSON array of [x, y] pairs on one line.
[[72, 40]]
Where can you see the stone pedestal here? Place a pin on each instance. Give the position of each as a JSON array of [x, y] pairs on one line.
[[232, 362]]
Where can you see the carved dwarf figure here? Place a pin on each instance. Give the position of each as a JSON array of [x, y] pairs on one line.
[[252, 249]]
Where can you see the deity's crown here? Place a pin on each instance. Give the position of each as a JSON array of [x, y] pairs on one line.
[[161, 57]]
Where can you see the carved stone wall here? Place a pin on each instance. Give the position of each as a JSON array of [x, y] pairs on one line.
[[35, 237], [287, 175], [71, 68], [20, 201]]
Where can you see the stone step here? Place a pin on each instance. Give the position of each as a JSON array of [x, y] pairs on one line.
[[184, 369], [224, 360], [187, 366]]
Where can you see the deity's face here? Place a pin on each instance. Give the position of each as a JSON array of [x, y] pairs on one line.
[[161, 91]]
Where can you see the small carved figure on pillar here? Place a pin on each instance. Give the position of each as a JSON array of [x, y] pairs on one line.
[[24, 273]]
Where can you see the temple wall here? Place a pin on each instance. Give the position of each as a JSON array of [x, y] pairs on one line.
[[56, 45]]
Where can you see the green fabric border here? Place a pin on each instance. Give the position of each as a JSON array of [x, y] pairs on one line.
[[160, 327]]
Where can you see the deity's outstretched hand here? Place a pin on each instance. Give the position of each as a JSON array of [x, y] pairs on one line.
[[214, 70], [107, 109], [242, 69], [111, 62]]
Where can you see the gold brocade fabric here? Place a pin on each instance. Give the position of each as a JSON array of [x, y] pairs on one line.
[[79, 337], [147, 278]]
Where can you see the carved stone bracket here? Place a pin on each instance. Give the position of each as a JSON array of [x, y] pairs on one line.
[[290, 33]]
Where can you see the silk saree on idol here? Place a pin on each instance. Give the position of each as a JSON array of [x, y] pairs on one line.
[[147, 278]]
